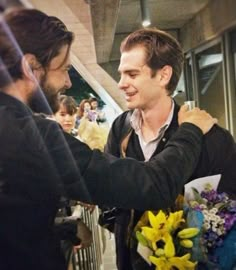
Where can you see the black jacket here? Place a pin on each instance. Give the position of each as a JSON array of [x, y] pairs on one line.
[[218, 156], [39, 164]]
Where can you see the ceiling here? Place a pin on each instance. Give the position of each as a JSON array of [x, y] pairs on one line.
[[114, 19]]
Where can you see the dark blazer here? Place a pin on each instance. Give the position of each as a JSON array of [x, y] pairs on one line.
[[39, 163], [218, 156]]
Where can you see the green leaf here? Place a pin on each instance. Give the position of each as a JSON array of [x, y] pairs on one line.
[[220, 206], [142, 240], [197, 196]]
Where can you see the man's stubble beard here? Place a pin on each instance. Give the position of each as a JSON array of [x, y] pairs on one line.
[[44, 99]]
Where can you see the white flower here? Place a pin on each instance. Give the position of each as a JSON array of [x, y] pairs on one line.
[[214, 210]]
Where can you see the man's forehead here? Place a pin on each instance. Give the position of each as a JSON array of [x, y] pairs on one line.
[[132, 59], [129, 66]]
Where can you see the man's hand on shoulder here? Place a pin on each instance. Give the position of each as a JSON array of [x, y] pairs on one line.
[[198, 117]]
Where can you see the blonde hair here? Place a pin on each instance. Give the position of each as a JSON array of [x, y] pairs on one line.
[[92, 134]]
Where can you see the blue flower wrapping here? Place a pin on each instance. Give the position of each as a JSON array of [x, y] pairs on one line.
[[226, 253], [221, 258]]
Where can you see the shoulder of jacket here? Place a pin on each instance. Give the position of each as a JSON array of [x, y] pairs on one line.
[[219, 140], [219, 132], [121, 118]]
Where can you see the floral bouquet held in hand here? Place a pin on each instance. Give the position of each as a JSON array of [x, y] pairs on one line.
[[201, 235]]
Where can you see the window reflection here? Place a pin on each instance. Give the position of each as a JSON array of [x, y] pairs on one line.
[[210, 82]]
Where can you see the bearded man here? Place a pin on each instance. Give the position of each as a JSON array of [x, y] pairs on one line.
[[39, 163]]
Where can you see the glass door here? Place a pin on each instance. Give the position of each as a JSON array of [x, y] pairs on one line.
[[210, 84]]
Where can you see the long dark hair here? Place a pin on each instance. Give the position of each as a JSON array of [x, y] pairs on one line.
[[31, 31]]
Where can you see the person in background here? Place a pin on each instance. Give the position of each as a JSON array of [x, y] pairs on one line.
[[84, 109], [40, 162], [66, 115], [89, 131], [96, 114], [94, 135], [150, 66], [93, 103]]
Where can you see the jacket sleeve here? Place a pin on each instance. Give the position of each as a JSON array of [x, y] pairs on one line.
[[128, 183], [107, 215]]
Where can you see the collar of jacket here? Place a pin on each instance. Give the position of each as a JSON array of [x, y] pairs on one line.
[[174, 122]]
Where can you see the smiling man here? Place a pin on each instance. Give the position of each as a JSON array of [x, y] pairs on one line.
[[150, 66], [39, 163]]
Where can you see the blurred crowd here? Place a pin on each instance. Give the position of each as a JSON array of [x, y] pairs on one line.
[[87, 122]]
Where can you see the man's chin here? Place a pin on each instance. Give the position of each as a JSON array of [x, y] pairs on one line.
[[130, 106]]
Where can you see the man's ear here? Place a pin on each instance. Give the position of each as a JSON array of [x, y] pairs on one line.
[[30, 67], [165, 75]]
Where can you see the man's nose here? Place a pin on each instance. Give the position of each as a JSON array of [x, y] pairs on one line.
[[68, 83], [122, 84]]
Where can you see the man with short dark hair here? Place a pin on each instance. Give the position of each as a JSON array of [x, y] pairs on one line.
[[150, 66], [39, 163]]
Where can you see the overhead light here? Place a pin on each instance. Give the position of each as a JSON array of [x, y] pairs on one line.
[[146, 21]]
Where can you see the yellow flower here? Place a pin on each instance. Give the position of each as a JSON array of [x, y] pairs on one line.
[[174, 220], [159, 221], [188, 233], [182, 263], [169, 247], [159, 252], [159, 237], [158, 229], [159, 262], [186, 243], [151, 234], [154, 236]]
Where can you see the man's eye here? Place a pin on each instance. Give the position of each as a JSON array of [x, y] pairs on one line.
[[132, 75]]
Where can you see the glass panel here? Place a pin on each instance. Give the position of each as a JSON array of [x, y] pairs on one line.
[[210, 82]]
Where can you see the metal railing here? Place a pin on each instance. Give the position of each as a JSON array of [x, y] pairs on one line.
[[89, 258]]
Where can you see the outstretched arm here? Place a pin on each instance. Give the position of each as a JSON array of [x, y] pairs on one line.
[[128, 183]]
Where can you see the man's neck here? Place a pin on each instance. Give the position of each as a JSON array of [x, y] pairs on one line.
[[154, 118], [158, 114], [17, 90]]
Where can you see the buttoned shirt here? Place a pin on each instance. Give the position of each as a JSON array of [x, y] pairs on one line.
[[148, 148]]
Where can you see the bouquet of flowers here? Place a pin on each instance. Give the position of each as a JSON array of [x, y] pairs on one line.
[[195, 237]]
